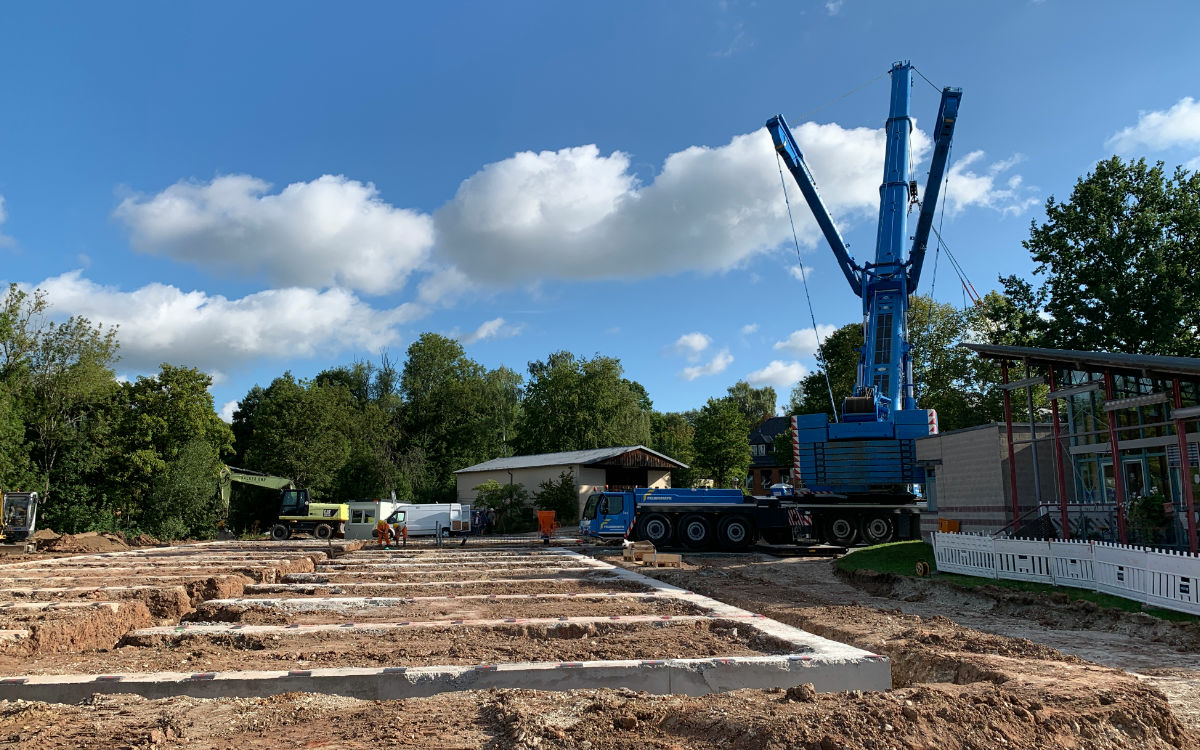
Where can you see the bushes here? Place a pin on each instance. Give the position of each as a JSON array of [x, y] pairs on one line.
[[560, 496], [511, 503]]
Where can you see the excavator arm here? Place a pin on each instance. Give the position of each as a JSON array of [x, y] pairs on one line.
[[231, 474]]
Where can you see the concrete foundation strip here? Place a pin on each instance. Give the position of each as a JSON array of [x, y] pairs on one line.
[[301, 581], [828, 665], [436, 567], [350, 602], [43, 606], [682, 676], [223, 629]]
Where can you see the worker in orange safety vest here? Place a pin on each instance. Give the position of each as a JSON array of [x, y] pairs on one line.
[[384, 533]]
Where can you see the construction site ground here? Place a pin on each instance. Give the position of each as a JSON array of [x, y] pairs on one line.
[[969, 669]]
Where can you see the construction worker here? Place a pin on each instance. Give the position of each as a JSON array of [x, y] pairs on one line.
[[404, 534], [383, 531]]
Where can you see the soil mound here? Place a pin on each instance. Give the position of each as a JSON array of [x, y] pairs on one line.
[[90, 541], [145, 540]]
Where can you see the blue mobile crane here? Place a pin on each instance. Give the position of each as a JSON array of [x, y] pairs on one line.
[[868, 457], [858, 472]]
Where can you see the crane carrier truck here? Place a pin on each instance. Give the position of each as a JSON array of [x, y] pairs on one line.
[[856, 474], [726, 519]]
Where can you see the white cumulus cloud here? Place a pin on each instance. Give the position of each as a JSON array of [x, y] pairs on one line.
[[579, 214], [988, 188], [749, 328], [777, 374], [495, 328], [803, 343], [717, 364], [227, 410], [161, 323], [692, 344], [331, 231], [1162, 129]]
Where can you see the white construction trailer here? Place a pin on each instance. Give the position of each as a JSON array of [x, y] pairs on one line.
[[422, 519]]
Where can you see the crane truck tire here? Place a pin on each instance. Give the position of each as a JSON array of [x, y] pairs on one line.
[[878, 529], [281, 531], [841, 529], [656, 528], [323, 531], [736, 532], [696, 532]]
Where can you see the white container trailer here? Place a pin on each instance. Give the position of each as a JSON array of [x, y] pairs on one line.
[[422, 519], [365, 515]]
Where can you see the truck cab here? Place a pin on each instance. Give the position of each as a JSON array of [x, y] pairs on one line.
[[607, 515]]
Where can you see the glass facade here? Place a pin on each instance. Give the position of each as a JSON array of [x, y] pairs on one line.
[[1154, 508]]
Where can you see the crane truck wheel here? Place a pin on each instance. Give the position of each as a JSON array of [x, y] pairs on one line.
[[736, 532], [281, 531], [696, 532], [841, 529], [878, 529], [656, 529], [323, 531]]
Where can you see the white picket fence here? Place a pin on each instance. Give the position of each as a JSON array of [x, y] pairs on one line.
[[1160, 578]]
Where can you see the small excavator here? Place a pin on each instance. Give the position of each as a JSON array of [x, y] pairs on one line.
[[297, 514], [20, 519]]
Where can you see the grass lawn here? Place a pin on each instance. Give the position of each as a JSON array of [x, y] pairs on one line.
[[901, 558]]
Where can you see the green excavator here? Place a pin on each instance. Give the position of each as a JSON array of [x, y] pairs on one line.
[[297, 514]]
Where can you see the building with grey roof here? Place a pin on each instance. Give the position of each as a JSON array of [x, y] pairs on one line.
[[622, 467]]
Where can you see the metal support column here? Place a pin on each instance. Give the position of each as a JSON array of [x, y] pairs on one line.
[[1012, 459], [1185, 471], [1059, 473], [1118, 467], [1033, 445]]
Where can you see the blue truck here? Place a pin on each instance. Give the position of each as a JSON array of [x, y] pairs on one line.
[[710, 519]]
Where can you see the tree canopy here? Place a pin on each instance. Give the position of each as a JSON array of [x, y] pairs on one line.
[[575, 404], [1118, 263]]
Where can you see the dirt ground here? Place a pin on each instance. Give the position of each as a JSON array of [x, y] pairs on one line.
[[971, 671]]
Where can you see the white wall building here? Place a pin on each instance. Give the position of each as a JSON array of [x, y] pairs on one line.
[[616, 468]]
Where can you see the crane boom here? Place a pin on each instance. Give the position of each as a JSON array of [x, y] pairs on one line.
[[943, 134], [870, 454], [785, 144]]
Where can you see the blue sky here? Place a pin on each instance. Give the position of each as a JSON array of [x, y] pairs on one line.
[[255, 187]]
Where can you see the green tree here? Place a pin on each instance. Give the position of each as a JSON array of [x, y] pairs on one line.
[[576, 404], [560, 496], [672, 434], [457, 413], [300, 433], [955, 382], [756, 404], [722, 447], [1119, 261], [170, 443], [70, 393]]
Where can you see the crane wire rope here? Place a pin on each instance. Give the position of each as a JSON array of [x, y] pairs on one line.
[[835, 100], [804, 280], [937, 251], [931, 83]]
